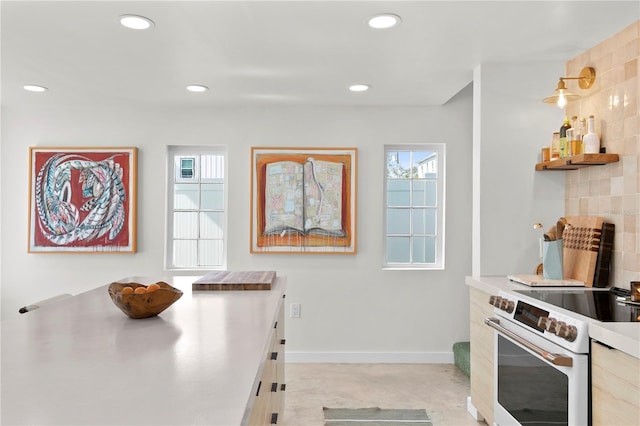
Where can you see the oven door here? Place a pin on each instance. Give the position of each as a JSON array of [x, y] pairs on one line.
[[536, 381]]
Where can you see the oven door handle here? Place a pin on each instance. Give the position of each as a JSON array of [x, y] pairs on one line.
[[555, 359]]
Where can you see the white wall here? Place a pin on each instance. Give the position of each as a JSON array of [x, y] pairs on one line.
[[511, 124], [351, 309], [349, 305]]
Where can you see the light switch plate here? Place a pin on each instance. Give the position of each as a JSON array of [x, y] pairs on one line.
[[294, 310]]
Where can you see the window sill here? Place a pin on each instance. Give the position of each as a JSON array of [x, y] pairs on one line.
[[412, 268]]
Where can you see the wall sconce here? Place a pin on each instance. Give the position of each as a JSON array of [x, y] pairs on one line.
[[562, 96]]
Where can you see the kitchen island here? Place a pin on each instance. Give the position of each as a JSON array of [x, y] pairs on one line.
[[83, 362]]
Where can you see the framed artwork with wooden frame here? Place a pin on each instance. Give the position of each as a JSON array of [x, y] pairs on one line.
[[303, 200], [82, 200]]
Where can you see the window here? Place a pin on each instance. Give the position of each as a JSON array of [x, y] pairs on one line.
[[197, 208], [414, 206], [186, 167]]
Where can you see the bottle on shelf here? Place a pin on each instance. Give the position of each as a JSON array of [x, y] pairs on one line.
[[591, 140], [569, 142], [583, 131], [574, 122], [555, 146], [563, 137], [576, 140]]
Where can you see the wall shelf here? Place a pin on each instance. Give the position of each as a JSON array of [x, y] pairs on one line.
[[578, 162]]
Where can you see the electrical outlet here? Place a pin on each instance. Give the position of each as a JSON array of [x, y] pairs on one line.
[[294, 310]]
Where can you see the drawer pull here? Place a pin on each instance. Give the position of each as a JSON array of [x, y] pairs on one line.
[[275, 325], [274, 418], [274, 387], [283, 387], [283, 341], [274, 356], [259, 386]]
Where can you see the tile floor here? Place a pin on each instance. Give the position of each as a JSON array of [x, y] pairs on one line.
[[441, 389]]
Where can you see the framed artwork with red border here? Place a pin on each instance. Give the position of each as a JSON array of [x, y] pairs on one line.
[[82, 200]]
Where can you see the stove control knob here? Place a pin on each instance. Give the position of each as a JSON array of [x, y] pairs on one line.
[[503, 304], [567, 332], [551, 325], [492, 300], [507, 305], [510, 307], [496, 301], [543, 322]]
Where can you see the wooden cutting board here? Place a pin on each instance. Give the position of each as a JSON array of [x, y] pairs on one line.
[[580, 245], [235, 280]]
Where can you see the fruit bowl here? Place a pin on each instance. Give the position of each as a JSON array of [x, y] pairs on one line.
[[139, 304]]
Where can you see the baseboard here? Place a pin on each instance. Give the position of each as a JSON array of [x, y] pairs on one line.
[[370, 357]]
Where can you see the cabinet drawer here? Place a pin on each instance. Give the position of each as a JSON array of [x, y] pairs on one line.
[[268, 406], [615, 386], [482, 354]]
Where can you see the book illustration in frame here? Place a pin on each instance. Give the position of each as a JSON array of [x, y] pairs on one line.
[[82, 200], [304, 200]]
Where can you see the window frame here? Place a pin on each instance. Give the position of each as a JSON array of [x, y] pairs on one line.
[[439, 263], [172, 180]]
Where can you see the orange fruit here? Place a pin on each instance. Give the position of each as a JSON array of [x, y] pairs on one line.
[[126, 290], [140, 290], [152, 287]]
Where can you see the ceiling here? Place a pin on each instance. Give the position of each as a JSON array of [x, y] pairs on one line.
[[286, 53]]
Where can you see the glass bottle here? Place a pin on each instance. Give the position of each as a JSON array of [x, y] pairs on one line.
[[555, 146], [583, 131], [576, 140], [591, 140], [569, 142], [563, 137]]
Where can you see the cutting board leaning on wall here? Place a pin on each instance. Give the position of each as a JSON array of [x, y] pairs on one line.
[[581, 243]]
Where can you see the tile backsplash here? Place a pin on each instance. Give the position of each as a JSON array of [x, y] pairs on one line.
[[613, 190]]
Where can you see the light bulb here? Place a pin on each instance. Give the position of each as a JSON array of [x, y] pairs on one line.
[[136, 22], [198, 88], [359, 87], [383, 21], [562, 101], [34, 88]]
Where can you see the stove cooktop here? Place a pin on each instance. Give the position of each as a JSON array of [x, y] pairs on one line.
[[600, 304]]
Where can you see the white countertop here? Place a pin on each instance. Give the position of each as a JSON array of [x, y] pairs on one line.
[[81, 361], [624, 336]]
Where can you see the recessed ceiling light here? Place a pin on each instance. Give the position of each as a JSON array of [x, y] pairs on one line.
[[385, 20], [34, 88], [197, 88], [136, 22], [359, 87]]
